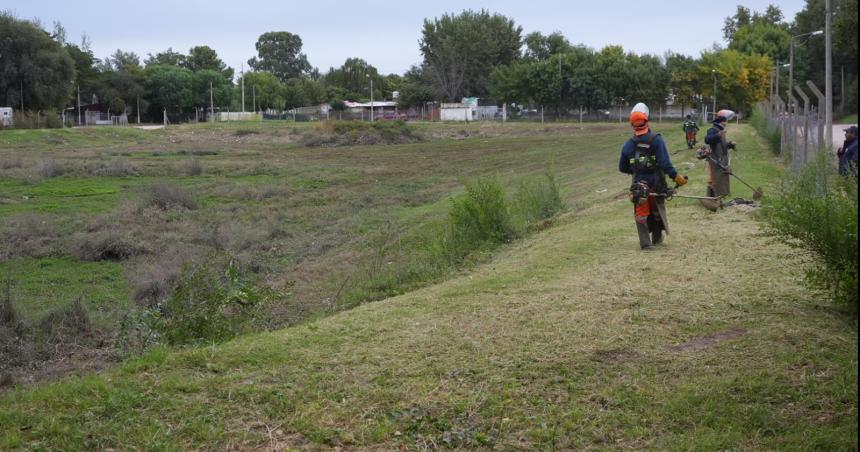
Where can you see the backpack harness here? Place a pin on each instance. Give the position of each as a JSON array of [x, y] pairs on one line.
[[644, 159]]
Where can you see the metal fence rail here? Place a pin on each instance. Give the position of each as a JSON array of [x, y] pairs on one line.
[[800, 121]]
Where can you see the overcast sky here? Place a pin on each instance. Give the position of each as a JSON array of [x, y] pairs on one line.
[[385, 33]]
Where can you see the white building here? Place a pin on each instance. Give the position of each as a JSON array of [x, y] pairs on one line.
[[457, 111], [6, 116]]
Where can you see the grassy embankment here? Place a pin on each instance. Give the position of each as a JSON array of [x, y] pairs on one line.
[[567, 339], [78, 221]]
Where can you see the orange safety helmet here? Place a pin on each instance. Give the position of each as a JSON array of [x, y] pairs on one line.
[[639, 119]]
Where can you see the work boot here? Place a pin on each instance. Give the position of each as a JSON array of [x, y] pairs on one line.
[[644, 235], [657, 237]]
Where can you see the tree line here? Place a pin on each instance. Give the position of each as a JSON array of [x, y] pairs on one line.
[[473, 53]]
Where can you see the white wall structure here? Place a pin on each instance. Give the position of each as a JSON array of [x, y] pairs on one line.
[[6, 116], [455, 112]]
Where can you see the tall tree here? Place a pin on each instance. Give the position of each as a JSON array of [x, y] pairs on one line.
[[166, 58], [33, 67], [742, 80], [732, 24], [204, 57], [762, 39], [268, 89], [170, 87], [122, 61], [684, 82], [211, 87], [280, 52], [461, 51], [541, 47], [354, 78]]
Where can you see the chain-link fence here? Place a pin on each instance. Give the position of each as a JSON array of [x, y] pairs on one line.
[[799, 118]]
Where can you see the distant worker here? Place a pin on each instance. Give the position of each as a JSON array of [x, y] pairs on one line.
[[691, 127], [645, 157], [848, 153], [719, 163]]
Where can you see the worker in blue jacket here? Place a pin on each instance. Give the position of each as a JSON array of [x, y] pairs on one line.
[[644, 156], [848, 153]]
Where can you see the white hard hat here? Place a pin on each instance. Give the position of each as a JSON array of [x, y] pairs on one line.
[[641, 107], [728, 114]]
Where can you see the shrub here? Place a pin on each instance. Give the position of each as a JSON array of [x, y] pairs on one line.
[[536, 199], [66, 323], [347, 133], [209, 304], [193, 168], [816, 210], [47, 169], [115, 168], [11, 162], [773, 136], [32, 235], [107, 246], [482, 215], [165, 196]]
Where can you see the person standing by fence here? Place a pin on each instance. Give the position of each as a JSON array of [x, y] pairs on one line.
[[848, 153]]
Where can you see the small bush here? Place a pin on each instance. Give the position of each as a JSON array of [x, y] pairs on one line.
[[816, 210], [11, 163], [115, 168], [67, 323], [47, 169], [193, 168], [348, 133], [107, 246], [209, 304], [166, 197], [773, 136], [537, 198], [482, 215], [31, 235], [153, 281]]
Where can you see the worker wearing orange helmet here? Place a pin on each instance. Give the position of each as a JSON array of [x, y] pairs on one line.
[[645, 157]]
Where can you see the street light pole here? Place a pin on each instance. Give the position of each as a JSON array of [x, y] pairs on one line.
[[791, 60], [714, 71], [371, 97], [828, 72]]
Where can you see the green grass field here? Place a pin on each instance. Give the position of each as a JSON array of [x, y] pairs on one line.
[[570, 338]]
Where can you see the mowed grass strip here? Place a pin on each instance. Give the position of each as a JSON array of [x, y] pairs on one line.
[[569, 339]]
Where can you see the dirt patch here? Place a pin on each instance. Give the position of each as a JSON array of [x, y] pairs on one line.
[[701, 343]]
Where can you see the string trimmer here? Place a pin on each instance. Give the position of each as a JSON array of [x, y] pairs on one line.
[[757, 192], [709, 202]]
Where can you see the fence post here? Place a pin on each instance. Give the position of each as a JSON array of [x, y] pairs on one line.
[[819, 125], [806, 137]]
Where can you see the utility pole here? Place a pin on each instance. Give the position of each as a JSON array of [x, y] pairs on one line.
[[22, 97], [243, 87], [79, 105], [790, 72], [254, 97], [828, 72], [842, 92], [714, 72], [138, 109], [211, 102], [371, 99]]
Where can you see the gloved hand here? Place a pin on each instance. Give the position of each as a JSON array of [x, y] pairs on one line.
[[731, 145], [681, 180]]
